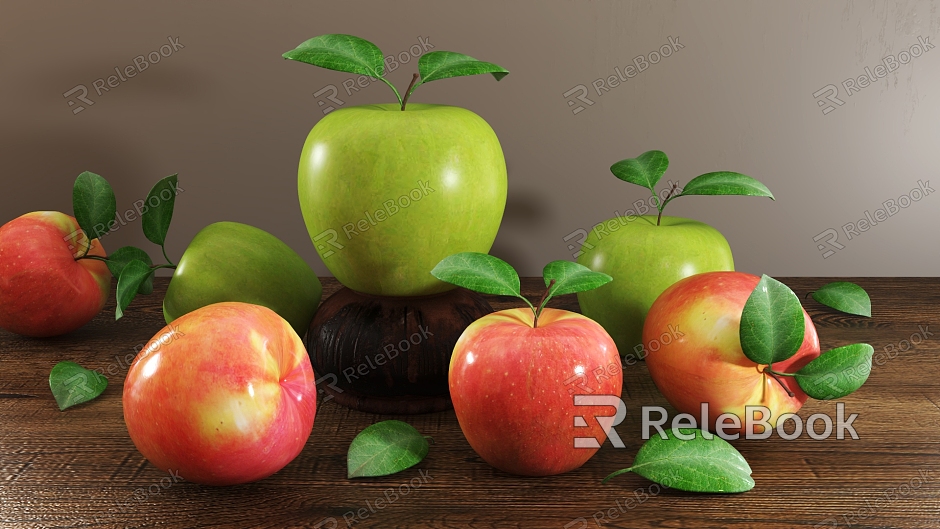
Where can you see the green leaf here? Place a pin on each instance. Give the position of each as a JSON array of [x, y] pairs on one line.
[[94, 204], [836, 373], [479, 272], [570, 278], [772, 323], [644, 170], [845, 297], [344, 53], [693, 464], [725, 183], [438, 65], [385, 448], [132, 276], [155, 220], [72, 384], [146, 287], [119, 258]]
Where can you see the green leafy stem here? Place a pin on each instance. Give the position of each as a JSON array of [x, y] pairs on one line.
[[772, 331], [347, 53], [648, 168], [95, 209], [491, 275]]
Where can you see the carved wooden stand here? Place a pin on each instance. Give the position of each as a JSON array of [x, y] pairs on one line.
[[390, 354]]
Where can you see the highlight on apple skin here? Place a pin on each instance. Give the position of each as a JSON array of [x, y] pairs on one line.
[[223, 395], [513, 388], [693, 352], [44, 290]]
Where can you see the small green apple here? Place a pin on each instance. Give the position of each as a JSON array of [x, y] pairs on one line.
[[229, 261], [389, 190], [647, 254], [645, 259]]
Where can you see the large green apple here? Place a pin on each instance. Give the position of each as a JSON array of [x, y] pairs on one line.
[[229, 261], [645, 259], [646, 254], [387, 193]]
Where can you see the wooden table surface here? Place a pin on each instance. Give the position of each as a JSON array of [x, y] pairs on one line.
[[79, 468]]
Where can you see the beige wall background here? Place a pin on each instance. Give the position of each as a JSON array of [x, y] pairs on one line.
[[229, 115]]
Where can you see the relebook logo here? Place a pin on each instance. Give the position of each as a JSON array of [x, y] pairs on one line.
[[756, 423]]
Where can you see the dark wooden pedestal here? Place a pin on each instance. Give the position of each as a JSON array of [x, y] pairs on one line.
[[390, 354]]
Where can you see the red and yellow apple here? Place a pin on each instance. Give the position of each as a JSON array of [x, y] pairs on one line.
[[223, 395], [693, 352], [513, 388], [44, 290]]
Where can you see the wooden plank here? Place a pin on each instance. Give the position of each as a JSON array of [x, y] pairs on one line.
[[79, 468]]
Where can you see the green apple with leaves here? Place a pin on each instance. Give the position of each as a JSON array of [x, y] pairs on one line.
[[645, 254], [389, 190]]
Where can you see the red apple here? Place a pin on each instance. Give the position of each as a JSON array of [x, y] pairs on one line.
[[512, 386], [223, 395], [44, 290], [693, 348]]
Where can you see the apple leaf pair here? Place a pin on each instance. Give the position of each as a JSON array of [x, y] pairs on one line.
[[347, 53], [95, 210], [385, 448], [648, 168], [772, 328], [486, 274]]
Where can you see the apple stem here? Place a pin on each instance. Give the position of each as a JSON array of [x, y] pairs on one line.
[[404, 101], [773, 374], [95, 257], [390, 85], [162, 247], [87, 248], [538, 311], [675, 186]]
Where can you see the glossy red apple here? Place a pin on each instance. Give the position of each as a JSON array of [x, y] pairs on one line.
[[44, 290], [513, 384], [223, 395], [693, 348]]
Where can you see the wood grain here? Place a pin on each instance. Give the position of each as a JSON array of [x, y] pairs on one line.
[[79, 468]]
